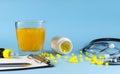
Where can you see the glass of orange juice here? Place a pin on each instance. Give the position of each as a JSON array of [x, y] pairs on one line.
[[30, 37]]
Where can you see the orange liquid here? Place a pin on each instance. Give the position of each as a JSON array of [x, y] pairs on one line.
[[30, 39]]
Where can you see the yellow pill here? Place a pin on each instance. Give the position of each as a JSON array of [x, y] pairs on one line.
[[80, 56], [66, 57], [58, 56], [55, 61], [73, 54], [73, 61], [81, 51], [99, 63], [52, 57], [94, 58], [81, 60], [88, 59], [106, 64], [77, 60], [93, 62], [86, 53], [70, 60], [101, 57], [48, 58], [48, 55], [43, 53], [51, 54]]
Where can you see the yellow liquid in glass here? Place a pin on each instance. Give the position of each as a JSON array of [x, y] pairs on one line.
[[30, 39]]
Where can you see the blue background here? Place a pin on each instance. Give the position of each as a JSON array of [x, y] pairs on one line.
[[79, 20]]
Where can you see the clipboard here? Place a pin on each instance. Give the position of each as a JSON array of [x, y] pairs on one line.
[[22, 59]]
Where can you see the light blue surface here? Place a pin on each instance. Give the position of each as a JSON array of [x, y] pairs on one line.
[[79, 20]]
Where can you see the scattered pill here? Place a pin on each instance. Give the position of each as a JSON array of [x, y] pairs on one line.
[[101, 57], [86, 53], [66, 57], [106, 64], [99, 63], [81, 51], [58, 56], [48, 58], [55, 61], [81, 59], [93, 62], [80, 56], [73, 59], [72, 54], [87, 58]]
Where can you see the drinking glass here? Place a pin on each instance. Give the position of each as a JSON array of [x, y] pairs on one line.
[[30, 36]]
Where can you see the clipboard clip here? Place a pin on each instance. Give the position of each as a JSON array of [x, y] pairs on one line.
[[39, 59]]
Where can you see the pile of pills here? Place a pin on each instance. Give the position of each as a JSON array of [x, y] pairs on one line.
[[76, 58], [97, 61], [73, 58], [50, 56]]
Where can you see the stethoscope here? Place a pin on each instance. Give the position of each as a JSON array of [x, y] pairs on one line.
[[101, 46]]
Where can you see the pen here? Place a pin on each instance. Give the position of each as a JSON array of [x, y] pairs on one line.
[[14, 64]]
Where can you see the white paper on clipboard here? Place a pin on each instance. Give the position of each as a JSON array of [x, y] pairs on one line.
[[21, 59]]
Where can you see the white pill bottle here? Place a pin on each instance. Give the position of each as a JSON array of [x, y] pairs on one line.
[[61, 45]]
